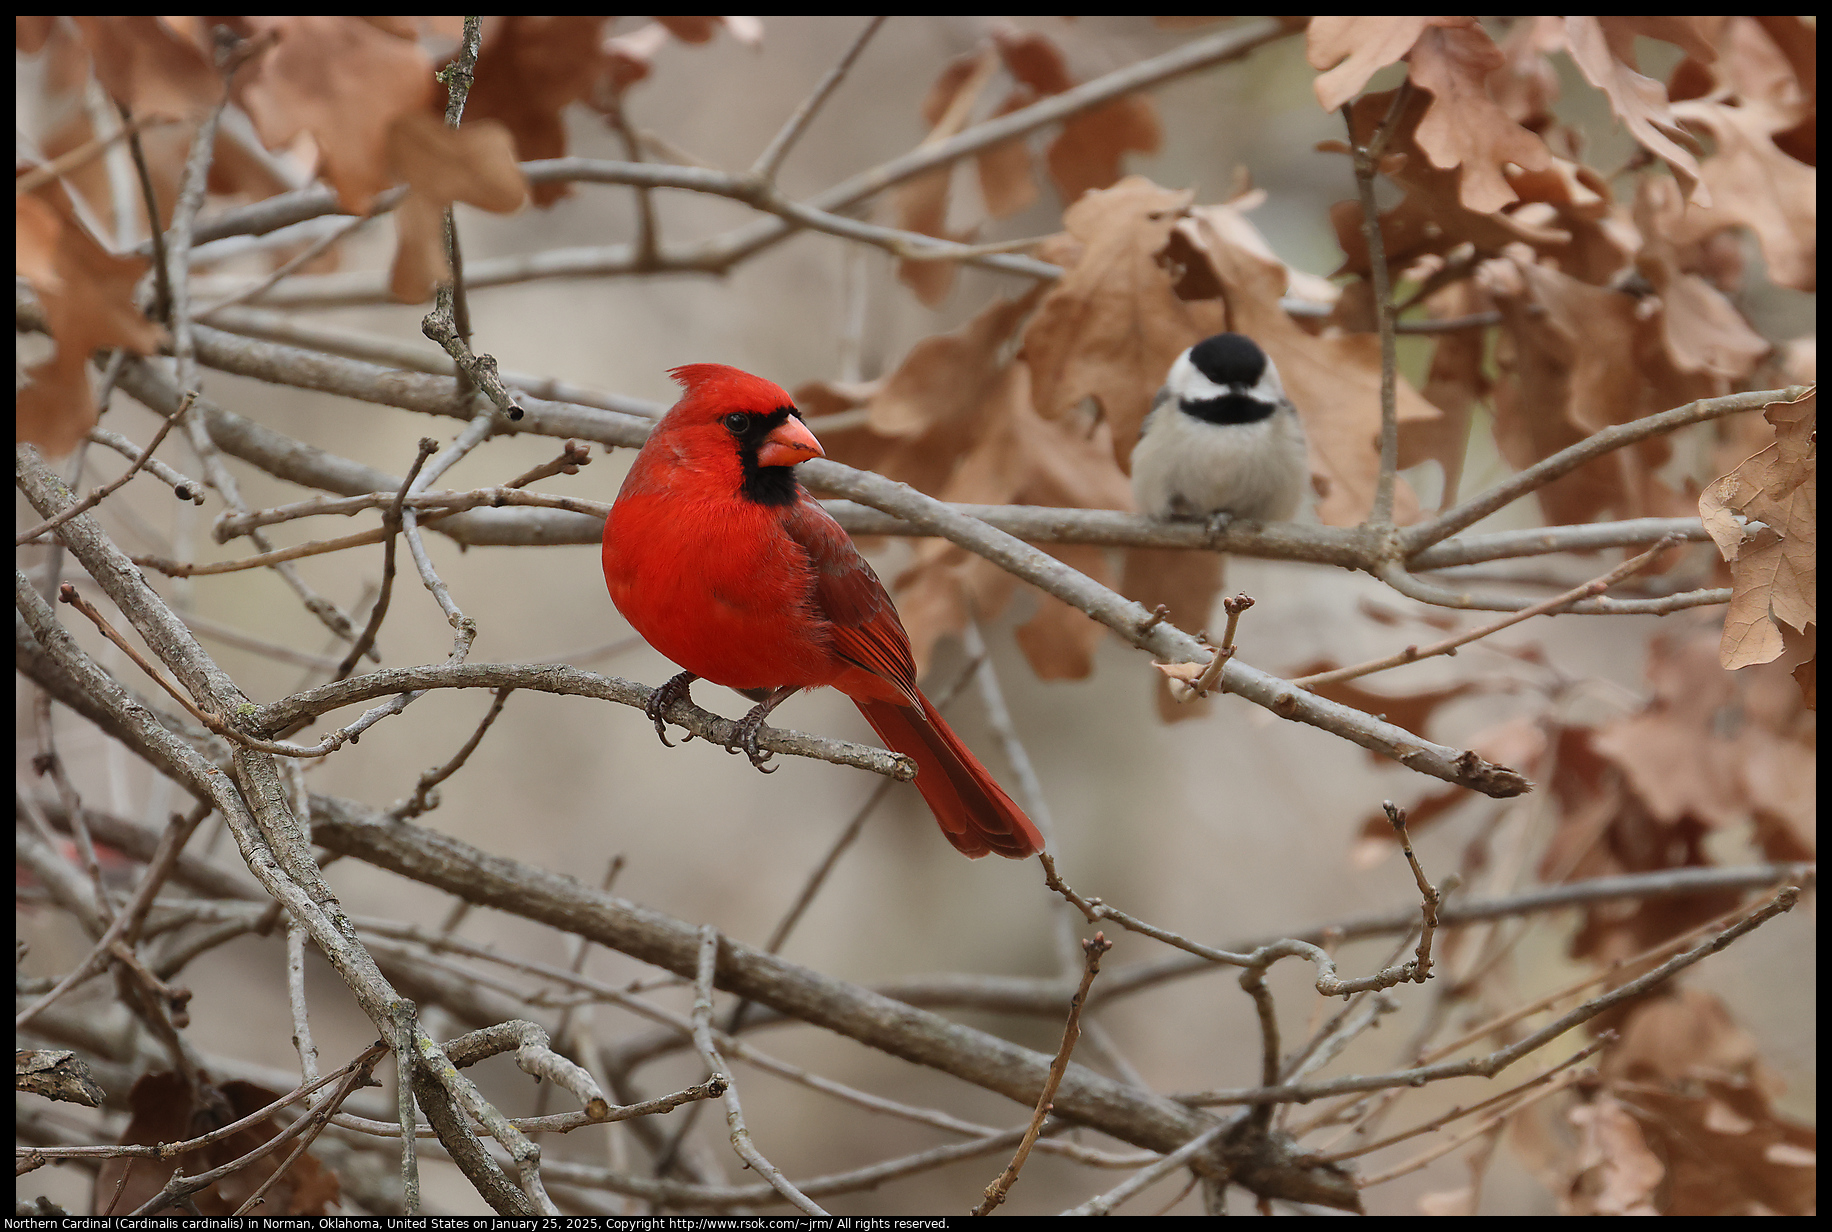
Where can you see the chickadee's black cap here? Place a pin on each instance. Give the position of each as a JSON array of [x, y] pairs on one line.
[[1229, 359]]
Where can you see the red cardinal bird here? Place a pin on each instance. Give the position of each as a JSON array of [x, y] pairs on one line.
[[717, 555]]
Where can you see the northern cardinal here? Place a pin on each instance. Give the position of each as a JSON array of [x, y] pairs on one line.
[[718, 556]]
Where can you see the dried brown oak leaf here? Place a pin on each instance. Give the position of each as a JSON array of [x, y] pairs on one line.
[[1701, 1101], [1756, 184], [1087, 153], [1604, 50], [1007, 184], [1681, 753], [1574, 359], [1527, 84], [153, 67], [1432, 218], [150, 67], [165, 1110], [1711, 753], [1456, 383], [1019, 458], [1349, 50], [1465, 128], [1185, 584], [1110, 327], [1614, 1172], [1763, 518], [926, 416], [1520, 742], [955, 420], [529, 69], [474, 164], [344, 81], [88, 299], [747, 30], [921, 203], [1333, 381], [1701, 328]]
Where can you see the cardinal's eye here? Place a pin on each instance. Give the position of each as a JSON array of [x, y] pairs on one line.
[[737, 422]]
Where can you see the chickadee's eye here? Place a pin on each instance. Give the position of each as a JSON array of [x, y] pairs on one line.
[[737, 422]]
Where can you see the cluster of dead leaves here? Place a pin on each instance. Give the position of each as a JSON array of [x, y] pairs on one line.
[[164, 1108], [349, 100], [1610, 310], [1681, 1121], [1709, 755], [1084, 155]]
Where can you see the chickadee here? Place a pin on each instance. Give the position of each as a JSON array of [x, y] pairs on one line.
[[1221, 439]]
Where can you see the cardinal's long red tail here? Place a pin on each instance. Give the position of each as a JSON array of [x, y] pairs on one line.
[[974, 812]]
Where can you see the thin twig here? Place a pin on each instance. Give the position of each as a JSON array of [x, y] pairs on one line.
[[995, 1192], [424, 796], [1488, 1125], [125, 925], [67, 593], [1558, 603], [305, 256], [87, 152], [734, 1113], [1493, 1063], [183, 487], [391, 526], [169, 1150], [1458, 1112], [448, 323], [764, 169], [1414, 539], [180, 1188], [316, 1120], [1367, 165], [1104, 1203], [102, 493]]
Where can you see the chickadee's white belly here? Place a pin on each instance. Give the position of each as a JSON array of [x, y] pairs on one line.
[[1184, 467]]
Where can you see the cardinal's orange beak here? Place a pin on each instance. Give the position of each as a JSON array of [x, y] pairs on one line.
[[788, 444]]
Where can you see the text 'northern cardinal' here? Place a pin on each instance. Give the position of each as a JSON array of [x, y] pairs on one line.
[[717, 555]]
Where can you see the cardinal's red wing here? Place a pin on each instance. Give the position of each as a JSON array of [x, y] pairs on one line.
[[866, 631]]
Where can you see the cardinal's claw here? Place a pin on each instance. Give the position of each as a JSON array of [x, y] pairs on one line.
[[676, 689], [744, 740]]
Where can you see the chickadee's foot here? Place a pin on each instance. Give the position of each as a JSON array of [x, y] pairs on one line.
[[1219, 521], [676, 690]]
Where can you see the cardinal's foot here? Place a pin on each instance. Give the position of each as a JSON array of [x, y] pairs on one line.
[[659, 701], [744, 738]]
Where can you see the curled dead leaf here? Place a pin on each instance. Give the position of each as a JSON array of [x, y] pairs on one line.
[[474, 164], [87, 295], [1464, 128], [345, 82], [1763, 516], [529, 69], [1109, 328]]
